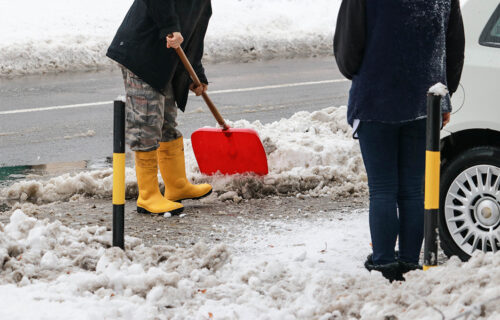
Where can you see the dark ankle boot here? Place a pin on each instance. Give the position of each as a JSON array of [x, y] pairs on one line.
[[390, 271], [408, 266]]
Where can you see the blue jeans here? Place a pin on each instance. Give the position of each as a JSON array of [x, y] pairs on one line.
[[394, 157]]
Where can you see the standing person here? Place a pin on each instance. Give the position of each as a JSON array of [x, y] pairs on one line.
[[394, 51], [156, 85]]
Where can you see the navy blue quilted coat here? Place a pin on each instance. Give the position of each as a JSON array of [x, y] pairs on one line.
[[394, 51]]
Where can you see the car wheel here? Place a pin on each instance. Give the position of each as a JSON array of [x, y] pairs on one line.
[[469, 218]]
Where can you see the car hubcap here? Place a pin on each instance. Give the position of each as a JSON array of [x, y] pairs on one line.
[[487, 212], [472, 209]]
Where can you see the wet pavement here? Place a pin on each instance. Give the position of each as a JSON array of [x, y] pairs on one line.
[[209, 220], [40, 124]]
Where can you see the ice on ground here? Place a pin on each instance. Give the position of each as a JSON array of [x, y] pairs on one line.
[[309, 154], [67, 35], [439, 89], [51, 271]]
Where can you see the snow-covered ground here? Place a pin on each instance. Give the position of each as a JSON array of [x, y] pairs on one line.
[[308, 154], [65, 35], [278, 269], [310, 270]]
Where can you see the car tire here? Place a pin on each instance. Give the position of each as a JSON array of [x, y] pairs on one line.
[[469, 218]]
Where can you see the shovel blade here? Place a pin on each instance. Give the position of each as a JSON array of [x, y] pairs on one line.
[[229, 152]]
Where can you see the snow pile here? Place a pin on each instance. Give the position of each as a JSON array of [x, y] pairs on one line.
[[55, 265], [308, 154], [252, 29], [97, 183], [67, 35], [51, 271]]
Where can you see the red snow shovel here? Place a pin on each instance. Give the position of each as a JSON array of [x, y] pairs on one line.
[[226, 150]]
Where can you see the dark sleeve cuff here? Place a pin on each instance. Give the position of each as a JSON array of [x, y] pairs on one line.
[[446, 109], [203, 78], [200, 72], [164, 32]]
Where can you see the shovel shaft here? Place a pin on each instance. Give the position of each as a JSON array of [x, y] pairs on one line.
[[197, 82]]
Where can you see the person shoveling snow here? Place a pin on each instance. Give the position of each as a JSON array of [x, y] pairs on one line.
[[156, 86]]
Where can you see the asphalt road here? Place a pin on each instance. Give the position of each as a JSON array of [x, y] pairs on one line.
[[40, 124]]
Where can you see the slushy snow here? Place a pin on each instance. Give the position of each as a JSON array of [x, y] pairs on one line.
[[311, 153], [68, 35], [48, 271]]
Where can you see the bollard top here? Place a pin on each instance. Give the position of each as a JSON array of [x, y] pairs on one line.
[[121, 98], [438, 89]]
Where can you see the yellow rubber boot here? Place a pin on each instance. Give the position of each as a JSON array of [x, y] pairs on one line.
[[150, 199], [173, 172]]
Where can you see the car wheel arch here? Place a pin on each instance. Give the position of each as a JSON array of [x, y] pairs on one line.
[[458, 142]]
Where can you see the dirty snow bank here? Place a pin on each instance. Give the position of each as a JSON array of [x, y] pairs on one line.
[[97, 183], [61, 35], [48, 264], [309, 154], [55, 272]]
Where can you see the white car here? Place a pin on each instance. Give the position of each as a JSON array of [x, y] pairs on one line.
[[470, 180]]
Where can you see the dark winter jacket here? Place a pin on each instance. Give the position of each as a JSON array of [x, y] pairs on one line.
[[394, 51], [140, 42]]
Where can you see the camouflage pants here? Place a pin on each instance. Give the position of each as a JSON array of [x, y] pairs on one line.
[[150, 115]]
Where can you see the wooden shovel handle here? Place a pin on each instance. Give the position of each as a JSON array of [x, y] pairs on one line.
[[197, 82]]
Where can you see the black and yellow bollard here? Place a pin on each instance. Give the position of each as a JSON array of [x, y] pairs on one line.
[[119, 174], [432, 178]]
